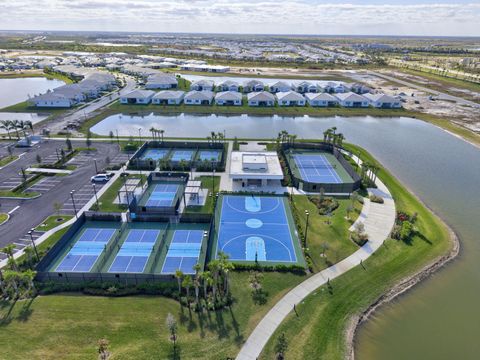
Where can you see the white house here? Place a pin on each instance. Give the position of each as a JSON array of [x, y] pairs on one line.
[[198, 97], [255, 169], [360, 88], [228, 85], [53, 100], [321, 100], [137, 97], [168, 97], [306, 87], [334, 87], [253, 86], [290, 98], [161, 81], [383, 101], [351, 99], [202, 85], [280, 86], [228, 98], [260, 98]]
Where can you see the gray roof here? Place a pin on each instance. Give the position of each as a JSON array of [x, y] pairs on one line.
[[253, 83], [228, 83], [169, 94], [350, 96], [203, 82], [289, 96], [139, 94], [162, 79], [199, 95], [260, 96], [228, 95], [380, 97], [281, 84], [321, 97]]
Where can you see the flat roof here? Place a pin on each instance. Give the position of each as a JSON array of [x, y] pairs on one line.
[[272, 170]]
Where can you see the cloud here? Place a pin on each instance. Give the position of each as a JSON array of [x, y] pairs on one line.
[[243, 16]]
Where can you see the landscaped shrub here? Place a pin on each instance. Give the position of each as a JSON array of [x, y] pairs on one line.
[[376, 199], [130, 147], [325, 205]]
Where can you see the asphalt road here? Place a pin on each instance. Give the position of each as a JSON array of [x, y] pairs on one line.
[[30, 213]]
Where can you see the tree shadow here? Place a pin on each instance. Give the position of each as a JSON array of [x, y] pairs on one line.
[[175, 353], [6, 318], [25, 311], [424, 238], [239, 339]]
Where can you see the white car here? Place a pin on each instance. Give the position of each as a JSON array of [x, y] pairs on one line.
[[100, 178]]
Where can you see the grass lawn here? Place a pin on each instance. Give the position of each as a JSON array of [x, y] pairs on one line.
[[53, 221], [7, 160], [3, 218], [330, 240], [318, 331], [207, 183], [134, 326], [106, 201]]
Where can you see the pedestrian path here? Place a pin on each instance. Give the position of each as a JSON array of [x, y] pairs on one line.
[[378, 220]]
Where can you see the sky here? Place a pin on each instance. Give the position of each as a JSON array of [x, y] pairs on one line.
[[327, 17]]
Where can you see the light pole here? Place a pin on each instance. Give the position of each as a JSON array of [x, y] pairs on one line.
[[306, 226], [33, 243], [96, 197], [118, 139], [73, 203], [140, 135], [58, 157], [96, 168], [213, 179]]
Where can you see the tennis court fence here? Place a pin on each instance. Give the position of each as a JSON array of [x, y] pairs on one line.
[[331, 188]]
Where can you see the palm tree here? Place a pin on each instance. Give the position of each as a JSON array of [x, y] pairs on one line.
[[11, 283], [161, 133], [206, 277], [187, 284], [29, 124], [15, 125], [214, 267], [27, 278], [183, 164], [6, 125], [29, 254], [179, 277], [8, 250], [153, 131]]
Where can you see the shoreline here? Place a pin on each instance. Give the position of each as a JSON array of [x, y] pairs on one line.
[[402, 287]]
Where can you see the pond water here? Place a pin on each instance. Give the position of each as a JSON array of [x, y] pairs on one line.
[[14, 91], [439, 319]]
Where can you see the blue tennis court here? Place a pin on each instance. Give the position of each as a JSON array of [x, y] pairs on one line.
[[179, 155], [316, 168], [162, 195], [255, 228], [209, 155], [155, 154], [135, 251], [183, 252], [85, 252]]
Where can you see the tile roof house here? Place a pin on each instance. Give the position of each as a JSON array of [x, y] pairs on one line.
[[161, 81], [228, 85], [261, 98], [321, 100], [196, 97], [229, 98], [253, 86], [168, 97], [383, 101], [280, 86], [351, 99], [290, 98], [202, 85], [137, 97]]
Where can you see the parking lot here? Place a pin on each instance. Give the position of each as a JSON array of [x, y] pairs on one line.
[[12, 182], [45, 184], [80, 198]]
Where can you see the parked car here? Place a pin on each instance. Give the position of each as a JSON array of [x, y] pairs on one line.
[[100, 178]]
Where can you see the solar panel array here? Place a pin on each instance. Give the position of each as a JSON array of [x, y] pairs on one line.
[[85, 252], [183, 252], [135, 251]]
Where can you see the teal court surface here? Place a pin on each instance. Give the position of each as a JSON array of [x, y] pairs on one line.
[[161, 194], [257, 228], [209, 155], [155, 154], [121, 249], [182, 155], [318, 167]]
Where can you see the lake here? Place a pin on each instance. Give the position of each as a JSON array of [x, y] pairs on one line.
[[439, 319], [14, 91]]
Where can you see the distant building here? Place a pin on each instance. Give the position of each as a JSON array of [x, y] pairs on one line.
[[168, 97], [253, 86], [360, 88], [196, 97], [228, 85], [290, 98], [161, 81], [137, 97], [230, 98], [280, 86], [261, 98], [306, 87], [202, 85], [52, 100]]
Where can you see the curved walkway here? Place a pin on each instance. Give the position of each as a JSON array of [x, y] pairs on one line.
[[378, 220]]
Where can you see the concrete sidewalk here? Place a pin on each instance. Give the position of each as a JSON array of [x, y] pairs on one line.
[[378, 220]]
